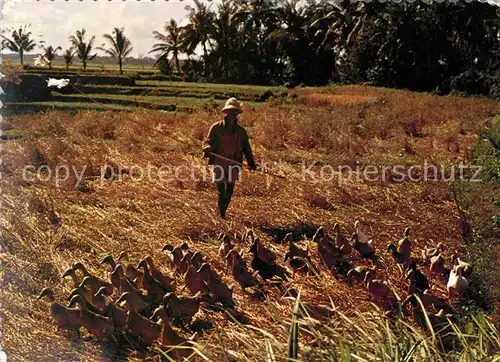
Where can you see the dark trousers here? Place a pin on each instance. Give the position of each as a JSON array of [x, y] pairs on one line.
[[225, 193]]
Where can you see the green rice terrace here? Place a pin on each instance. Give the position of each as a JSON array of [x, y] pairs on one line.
[[96, 90]]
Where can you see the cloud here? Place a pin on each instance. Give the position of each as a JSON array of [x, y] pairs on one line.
[[56, 21]]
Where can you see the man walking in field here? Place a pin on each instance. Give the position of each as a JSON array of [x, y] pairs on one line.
[[226, 144]]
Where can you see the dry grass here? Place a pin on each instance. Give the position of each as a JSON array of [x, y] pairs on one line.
[[108, 216]]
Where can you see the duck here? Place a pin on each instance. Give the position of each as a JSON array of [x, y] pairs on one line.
[[182, 308], [220, 290], [177, 260], [135, 297], [66, 318], [377, 288], [225, 246], [155, 289], [404, 245], [457, 283], [437, 264], [116, 277], [362, 237], [92, 282], [264, 254], [340, 241], [111, 310], [240, 271], [294, 250], [176, 254], [207, 272], [76, 283], [365, 250], [98, 325], [466, 267], [296, 263], [418, 281], [197, 259], [435, 319], [97, 301], [177, 345], [427, 299], [70, 272], [166, 280], [329, 254], [263, 268], [145, 328], [194, 282], [398, 257], [428, 253], [358, 273], [129, 269], [320, 235]]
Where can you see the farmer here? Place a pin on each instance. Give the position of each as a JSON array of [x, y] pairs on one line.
[[224, 147]]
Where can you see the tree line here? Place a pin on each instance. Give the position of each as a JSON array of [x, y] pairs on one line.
[[425, 46]]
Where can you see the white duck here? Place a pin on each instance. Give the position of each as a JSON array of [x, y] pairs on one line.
[[362, 237], [457, 282]]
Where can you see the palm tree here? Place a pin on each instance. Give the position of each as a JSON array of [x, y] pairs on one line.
[[169, 43], [120, 46], [21, 41], [83, 49], [50, 53], [198, 31], [226, 37], [259, 19], [68, 57]]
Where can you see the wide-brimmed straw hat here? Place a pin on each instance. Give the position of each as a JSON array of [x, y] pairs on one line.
[[233, 103]]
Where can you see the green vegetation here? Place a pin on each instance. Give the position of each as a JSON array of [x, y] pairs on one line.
[[115, 90], [212, 86], [82, 47], [480, 205], [372, 336], [119, 46], [20, 41], [292, 43]]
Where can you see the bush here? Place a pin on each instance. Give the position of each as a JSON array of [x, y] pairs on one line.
[[266, 95], [472, 82], [164, 66]]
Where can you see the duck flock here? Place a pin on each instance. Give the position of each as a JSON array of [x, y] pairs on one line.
[[143, 302]]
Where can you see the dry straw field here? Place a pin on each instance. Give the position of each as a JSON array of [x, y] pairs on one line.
[[46, 228]]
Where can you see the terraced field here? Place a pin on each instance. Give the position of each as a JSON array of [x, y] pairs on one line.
[[160, 95]]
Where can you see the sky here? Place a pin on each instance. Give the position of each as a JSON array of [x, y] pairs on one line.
[[54, 21]]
